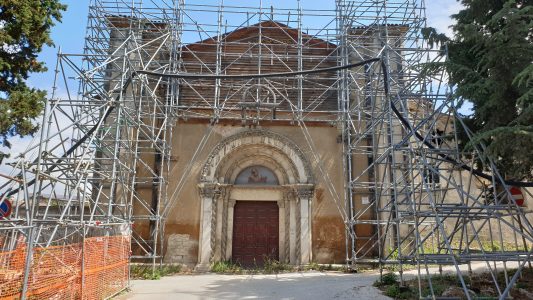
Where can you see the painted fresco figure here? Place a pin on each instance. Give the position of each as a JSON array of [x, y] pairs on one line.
[[256, 177]]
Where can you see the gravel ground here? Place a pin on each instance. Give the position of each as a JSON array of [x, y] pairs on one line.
[[307, 285]]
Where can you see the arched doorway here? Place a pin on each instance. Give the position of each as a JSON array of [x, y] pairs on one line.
[[261, 170]]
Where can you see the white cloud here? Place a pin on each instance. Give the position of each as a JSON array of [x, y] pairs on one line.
[[438, 13]]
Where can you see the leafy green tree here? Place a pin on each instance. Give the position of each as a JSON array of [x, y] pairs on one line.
[[490, 62], [24, 30]]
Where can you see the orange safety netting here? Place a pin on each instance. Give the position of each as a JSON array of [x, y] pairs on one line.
[[94, 269]]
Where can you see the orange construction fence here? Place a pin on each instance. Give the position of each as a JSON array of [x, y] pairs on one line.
[[94, 269]]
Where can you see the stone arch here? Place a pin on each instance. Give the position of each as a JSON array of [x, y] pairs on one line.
[[246, 155], [219, 167], [219, 194]]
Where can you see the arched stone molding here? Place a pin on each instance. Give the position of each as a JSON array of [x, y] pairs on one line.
[[263, 138], [219, 194], [233, 166]]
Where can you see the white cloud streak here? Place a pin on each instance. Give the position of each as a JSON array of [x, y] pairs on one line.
[[438, 13]]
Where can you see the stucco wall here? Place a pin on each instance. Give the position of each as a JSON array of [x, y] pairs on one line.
[[328, 234]]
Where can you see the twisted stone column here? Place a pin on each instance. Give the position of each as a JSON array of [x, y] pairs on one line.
[[304, 194], [209, 194]]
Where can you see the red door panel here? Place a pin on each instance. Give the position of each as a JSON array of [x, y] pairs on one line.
[[255, 232]]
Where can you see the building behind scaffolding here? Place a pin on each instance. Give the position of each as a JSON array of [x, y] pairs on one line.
[[194, 133]]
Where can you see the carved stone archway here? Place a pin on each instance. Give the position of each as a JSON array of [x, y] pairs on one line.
[[219, 194]]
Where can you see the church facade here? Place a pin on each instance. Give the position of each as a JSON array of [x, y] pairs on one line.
[[256, 189]]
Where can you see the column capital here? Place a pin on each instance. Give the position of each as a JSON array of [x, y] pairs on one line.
[[304, 191], [209, 190]]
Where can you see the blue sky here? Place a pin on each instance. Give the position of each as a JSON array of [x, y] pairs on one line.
[[70, 33]]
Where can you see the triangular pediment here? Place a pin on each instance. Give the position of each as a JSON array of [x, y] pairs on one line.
[[270, 32]]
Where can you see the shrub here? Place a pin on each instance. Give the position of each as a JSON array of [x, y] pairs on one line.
[[389, 279], [393, 291]]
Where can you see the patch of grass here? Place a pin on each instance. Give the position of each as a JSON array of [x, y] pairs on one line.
[[313, 266], [168, 270], [272, 266], [480, 286], [226, 267], [391, 287], [486, 245], [147, 272], [521, 285], [393, 255], [386, 280], [441, 283], [389, 279], [342, 268], [397, 292], [392, 290], [269, 266], [368, 267]]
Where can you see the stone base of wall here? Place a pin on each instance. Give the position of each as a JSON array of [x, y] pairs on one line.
[[181, 250]]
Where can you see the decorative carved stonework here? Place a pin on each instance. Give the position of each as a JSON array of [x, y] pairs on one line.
[[263, 135], [288, 196], [214, 224], [209, 190], [304, 191], [224, 237], [287, 228]]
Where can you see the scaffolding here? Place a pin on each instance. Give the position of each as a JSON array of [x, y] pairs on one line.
[[97, 176]]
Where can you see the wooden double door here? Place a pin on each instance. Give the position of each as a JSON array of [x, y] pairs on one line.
[[255, 232]]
